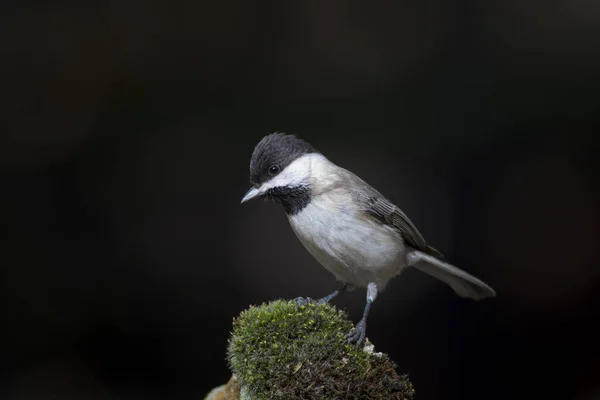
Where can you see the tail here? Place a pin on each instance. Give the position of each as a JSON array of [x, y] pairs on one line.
[[462, 283]]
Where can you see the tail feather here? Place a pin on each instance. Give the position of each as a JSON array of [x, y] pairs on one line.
[[464, 284]]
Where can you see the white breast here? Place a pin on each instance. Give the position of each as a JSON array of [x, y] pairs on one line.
[[355, 248]]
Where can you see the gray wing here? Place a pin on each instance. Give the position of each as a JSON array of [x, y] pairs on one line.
[[377, 206]]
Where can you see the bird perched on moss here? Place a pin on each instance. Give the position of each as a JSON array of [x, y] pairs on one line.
[[282, 351], [356, 233]]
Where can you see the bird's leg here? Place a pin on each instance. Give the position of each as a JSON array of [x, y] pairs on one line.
[[335, 293], [359, 333], [302, 301]]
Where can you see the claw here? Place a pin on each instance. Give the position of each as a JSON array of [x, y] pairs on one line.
[[302, 301], [358, 334]]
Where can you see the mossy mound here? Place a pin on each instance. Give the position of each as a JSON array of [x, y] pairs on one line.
[[283, 351]]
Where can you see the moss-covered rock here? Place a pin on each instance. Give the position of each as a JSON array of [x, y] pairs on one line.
[[229, 391], [283, 351]]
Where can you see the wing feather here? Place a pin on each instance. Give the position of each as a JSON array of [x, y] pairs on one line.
[[379, 207]]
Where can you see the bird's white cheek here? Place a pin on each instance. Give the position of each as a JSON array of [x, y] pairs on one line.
[[289, 178]]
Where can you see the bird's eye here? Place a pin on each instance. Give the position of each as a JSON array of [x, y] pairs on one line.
[[273, 170]]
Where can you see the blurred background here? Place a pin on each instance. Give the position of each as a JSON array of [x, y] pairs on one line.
[[126, 129]]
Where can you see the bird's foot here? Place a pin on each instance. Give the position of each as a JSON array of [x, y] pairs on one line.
[[302, 301], [323, 300], [358, 334]]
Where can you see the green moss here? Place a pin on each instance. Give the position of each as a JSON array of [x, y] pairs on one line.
[[283, 351]]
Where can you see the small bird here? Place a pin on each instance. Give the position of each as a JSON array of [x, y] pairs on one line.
[[349, 227]]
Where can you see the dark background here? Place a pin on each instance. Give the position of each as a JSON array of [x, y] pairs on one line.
[[126, 132]]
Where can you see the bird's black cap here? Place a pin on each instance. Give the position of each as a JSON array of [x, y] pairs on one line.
[[277, 149]]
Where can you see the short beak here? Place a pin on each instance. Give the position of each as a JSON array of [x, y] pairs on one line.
[[252, 193]]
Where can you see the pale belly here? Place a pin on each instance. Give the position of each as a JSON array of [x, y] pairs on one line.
[[355, 249]]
